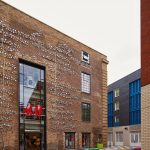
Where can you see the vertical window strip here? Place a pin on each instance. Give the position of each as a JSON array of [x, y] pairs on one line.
[[135, 102], [110, 109]]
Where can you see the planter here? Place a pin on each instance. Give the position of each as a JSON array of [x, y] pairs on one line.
[[100, 146]]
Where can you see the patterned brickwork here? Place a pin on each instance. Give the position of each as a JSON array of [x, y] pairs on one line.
[[23, 37]]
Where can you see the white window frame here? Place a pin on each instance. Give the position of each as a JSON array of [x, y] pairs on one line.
[[110, 139], [86, 57], [117, 105], [133, 136], [117, 92], [85, 82], [119, 138], [116, 118]]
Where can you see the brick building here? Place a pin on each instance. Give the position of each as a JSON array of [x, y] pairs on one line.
[[53, 89], [145, 73], [124, 111]]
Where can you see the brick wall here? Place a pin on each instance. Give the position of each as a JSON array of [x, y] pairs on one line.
[[145, 42], [145, 73], [145, 96], [23, 37]]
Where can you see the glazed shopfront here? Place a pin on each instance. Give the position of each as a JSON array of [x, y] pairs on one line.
[[32, 106], [52, 87]]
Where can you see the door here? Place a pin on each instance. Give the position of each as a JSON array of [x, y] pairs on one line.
[[32, 141]]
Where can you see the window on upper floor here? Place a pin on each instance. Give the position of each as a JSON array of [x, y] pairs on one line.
[[116, 119], [116, 106], [85, 57], [117, 92], [86, 112], [85, 82], [135, 102]]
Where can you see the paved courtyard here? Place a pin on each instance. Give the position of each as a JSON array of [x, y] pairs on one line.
[[122, 148]]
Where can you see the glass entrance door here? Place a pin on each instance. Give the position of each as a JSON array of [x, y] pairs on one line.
[[32, 107]]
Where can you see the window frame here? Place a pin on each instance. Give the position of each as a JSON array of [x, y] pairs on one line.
[[118, 139], [116, 107], [116, 118], [84, 89], [89, 134], [84, 118], [42, 68], [132, 135], [82, 57], [117, 92], [71, 133]]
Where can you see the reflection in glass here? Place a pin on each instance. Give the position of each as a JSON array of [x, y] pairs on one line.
[[85, 140], [21, 68], [70, 140], [32, 108]]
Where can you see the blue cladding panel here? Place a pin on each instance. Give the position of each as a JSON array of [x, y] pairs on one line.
[[110, 109], [135, 102]]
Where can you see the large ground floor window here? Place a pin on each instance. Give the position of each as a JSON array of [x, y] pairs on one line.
[[32, 107], [135, 138], [119, 138], [86, 138], [70, 140], [110, 139]]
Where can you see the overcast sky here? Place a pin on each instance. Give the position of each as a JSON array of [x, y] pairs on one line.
[[111, 27]]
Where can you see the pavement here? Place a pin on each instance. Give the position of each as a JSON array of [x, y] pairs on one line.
[[113, 148], [119, 148]]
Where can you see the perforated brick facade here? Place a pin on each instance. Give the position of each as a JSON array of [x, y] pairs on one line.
[[25, 38]]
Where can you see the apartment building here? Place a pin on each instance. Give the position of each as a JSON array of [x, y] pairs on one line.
[[124, 111], [53, 88]]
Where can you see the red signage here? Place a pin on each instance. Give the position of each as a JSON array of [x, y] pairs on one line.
[[28, 110], [37, 111]]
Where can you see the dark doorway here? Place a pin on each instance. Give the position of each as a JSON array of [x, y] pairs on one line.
[[33, 141]]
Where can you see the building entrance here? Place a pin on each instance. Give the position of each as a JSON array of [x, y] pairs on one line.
[[32, 107], [32, 141]]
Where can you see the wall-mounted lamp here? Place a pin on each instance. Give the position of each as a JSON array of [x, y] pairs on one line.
[[126, 128]]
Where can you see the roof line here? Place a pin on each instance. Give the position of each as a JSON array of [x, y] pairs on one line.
[[52, 27], [126, 76]]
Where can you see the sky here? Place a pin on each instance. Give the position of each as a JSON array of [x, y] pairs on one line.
[[111, 27]]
